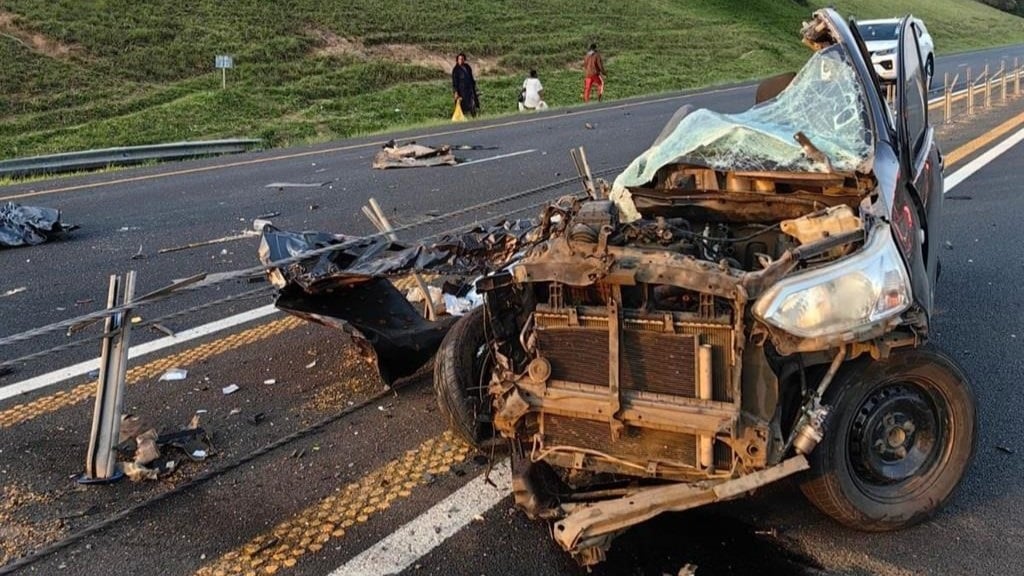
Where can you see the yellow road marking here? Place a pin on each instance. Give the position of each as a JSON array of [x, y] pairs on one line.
[[983, 140], [374, 144], [309, 530], [25, 412]]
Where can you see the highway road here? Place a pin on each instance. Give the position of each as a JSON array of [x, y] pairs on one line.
[[175, 204], [313, 506]]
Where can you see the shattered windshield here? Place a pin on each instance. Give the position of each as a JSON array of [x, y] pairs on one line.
[[824, 101]]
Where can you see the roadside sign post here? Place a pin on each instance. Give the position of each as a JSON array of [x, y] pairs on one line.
[[222, 63]]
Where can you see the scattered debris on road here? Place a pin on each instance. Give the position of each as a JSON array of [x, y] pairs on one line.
[[687, 570], [231, 389], [1006, 450], [13, 291], [283, 185], [174, 374], [29, 225], [412, 155], [146, 450], [243, 235], [161, 328], [139, 473]]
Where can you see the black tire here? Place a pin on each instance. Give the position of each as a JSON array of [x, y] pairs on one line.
[[458, 375], [929, 70], [900, 435]]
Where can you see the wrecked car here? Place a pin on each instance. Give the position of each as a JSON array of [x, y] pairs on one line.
[[749, 300]]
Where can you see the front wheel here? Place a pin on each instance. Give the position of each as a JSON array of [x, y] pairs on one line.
[[900, 435], [461, 368]]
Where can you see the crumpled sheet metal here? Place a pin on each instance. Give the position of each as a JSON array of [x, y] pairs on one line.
[[825, 101], [29, 225], [412, 155], [476, 252], [349, 288]]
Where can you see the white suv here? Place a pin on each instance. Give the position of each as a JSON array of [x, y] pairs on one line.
[[881, 38]]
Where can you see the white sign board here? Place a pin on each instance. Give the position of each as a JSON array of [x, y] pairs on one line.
[[222, 62]]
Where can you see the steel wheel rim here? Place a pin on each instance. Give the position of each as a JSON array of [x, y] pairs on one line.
[[899, 439]]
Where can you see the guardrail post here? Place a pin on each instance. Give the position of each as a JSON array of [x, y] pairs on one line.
[[988, 88], [1017, 78], [970, 93], [947, 104], [1002, 76], [100, 460]]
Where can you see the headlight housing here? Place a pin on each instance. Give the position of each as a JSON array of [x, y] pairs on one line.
[[847, 295], [885, 52]]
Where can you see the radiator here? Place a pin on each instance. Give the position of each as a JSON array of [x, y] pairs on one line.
[[651, 359]]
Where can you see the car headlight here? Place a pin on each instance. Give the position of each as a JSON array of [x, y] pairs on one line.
[[851, 293], [885, 52]]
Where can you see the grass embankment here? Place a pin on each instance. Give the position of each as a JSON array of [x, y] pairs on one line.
[[83, 74]]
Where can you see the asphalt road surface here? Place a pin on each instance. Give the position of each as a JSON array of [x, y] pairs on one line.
[[314, 505]]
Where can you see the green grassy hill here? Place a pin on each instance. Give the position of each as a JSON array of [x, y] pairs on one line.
[[77, 74]]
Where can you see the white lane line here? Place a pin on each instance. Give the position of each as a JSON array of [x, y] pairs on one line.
[[82, 368], [414, 540], [499, 157], [978, 163]]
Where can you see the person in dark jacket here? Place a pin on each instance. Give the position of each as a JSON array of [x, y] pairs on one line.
[[464, 86]]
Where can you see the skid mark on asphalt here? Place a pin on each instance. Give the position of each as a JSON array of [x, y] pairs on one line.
[[356, 503], [53, 402]]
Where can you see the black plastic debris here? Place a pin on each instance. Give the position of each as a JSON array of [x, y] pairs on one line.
[[29, 225], [349, 288]]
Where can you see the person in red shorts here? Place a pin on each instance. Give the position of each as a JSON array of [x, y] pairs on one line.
[[593, 73]]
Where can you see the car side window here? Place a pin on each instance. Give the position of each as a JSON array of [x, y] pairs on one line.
[[915, 93]]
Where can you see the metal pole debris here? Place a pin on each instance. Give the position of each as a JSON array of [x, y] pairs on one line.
[[376, 216], [579, 158], [100, 461]]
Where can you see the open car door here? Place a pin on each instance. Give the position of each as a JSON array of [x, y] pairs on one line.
[[916, 213]]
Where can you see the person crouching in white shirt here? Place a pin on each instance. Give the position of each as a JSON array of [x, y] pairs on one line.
[[533, 91]]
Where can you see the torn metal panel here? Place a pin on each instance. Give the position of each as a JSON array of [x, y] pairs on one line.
[[349, 288], [412, 155], [29, 225], [391, 331], [475, 252]]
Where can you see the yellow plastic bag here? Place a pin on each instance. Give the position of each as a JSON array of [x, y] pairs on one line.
[[457, 115]]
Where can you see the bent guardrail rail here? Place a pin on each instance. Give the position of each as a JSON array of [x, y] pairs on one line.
[[123, 156]]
